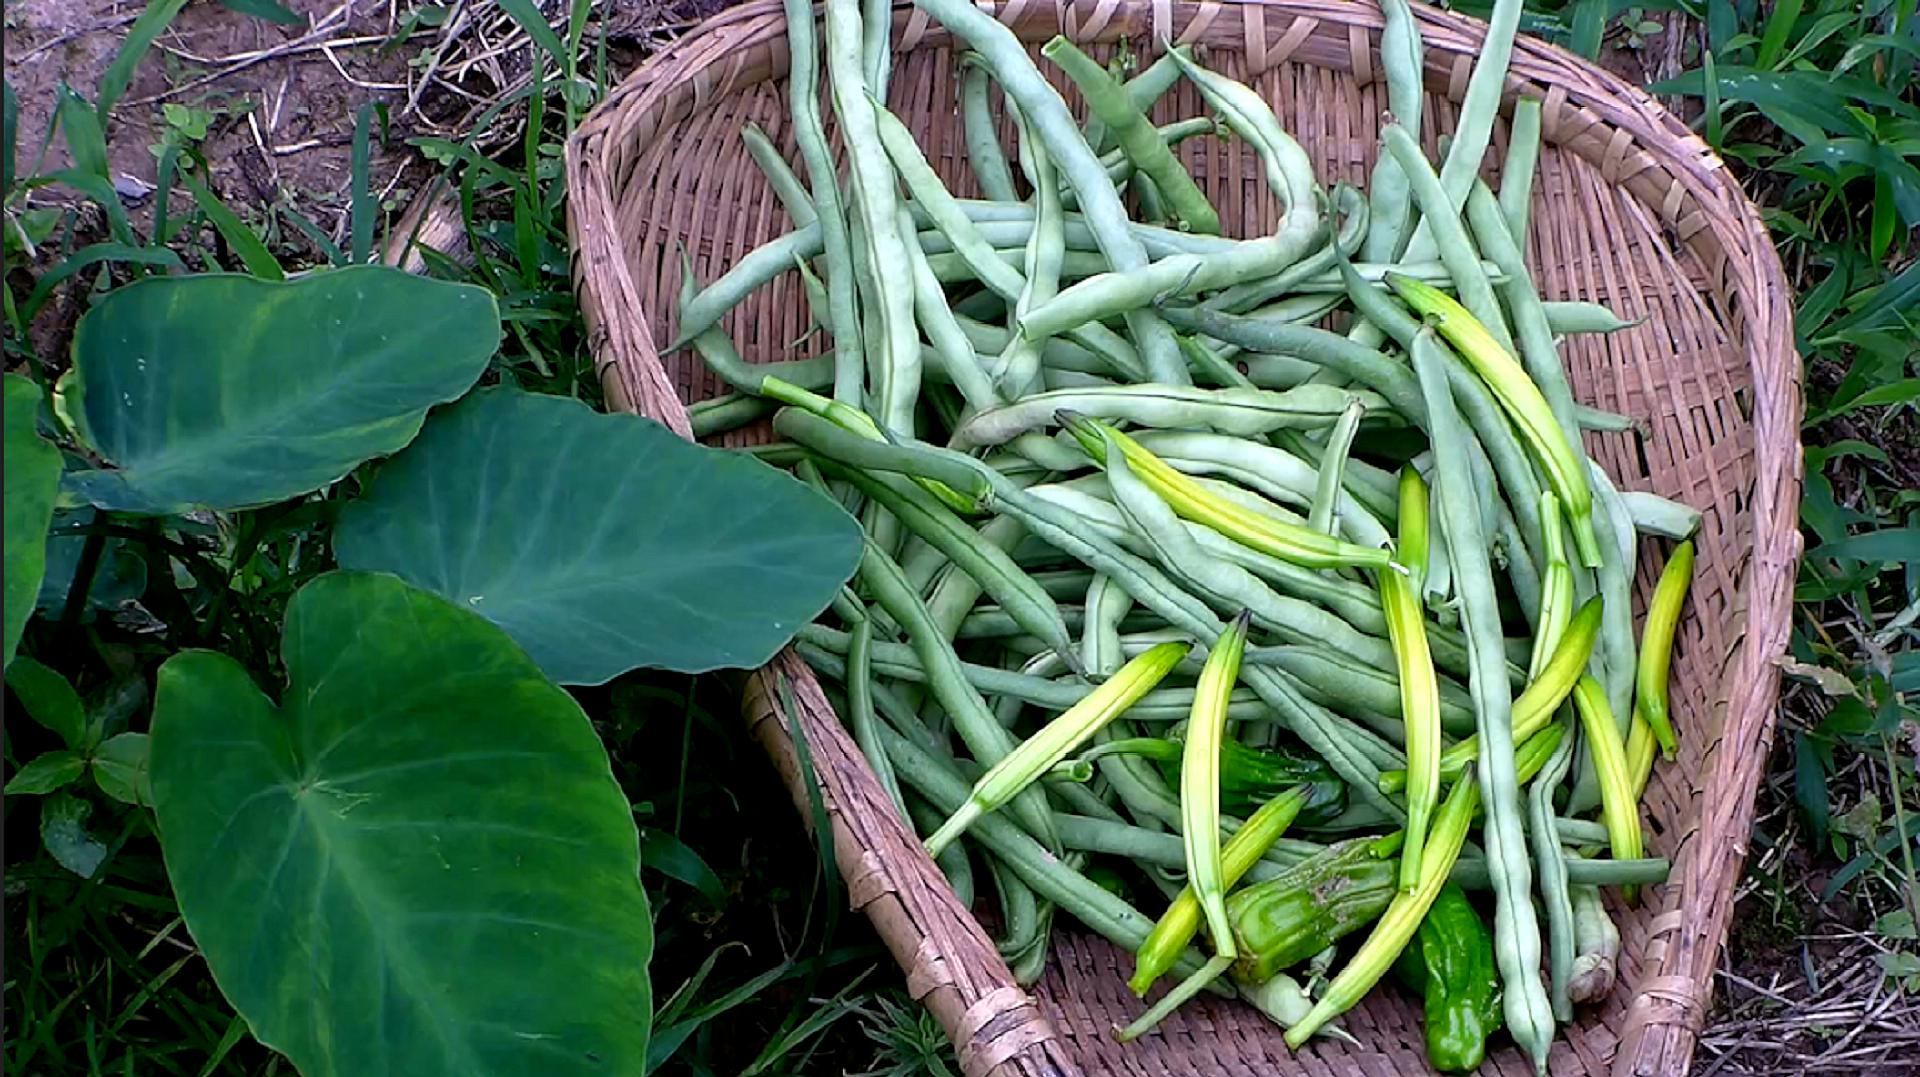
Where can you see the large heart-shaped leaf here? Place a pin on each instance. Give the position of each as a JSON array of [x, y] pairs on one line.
[[223, 391], [32, 476], [601, 543], [419, 862]]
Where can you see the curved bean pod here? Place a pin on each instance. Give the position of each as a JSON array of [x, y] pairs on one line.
[[1040, 103]]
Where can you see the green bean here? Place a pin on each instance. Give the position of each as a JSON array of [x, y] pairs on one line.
[[933, 202], [1517, 934], [1534, 335], [809, 133], [1327, 491], [1155, 521], [1352, 208], [1351, 601], [953, 860], [1018, 366], [1579, 317], [1655, 515], [876, 52], [1472, 131], [1019, 909], [1098, 138], [1107, 605], [837, 443], [989, 161], [1289, 174], [1246, 412], [1484, 418], [1321, 731], [975, 723], [1007, 224], [729, 411], [1277, 473], [1137, 136], [1551, 861], [1174, 546], [956, 356], [1120, 167], [1440, 215], [899, 662], [1402, 55], [861, 716], [1099, 910], [1606, 422], [758, 266], [1596, 945], [1615, 578], [1153, 82], [1042, 107], [1364, 365], [1523, 160], [786, 186], [893, 358]]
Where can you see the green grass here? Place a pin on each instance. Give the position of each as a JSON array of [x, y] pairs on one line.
[[757, 970]]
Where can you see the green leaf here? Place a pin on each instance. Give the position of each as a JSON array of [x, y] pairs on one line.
[[47, 772], [1901, 544], [419, 862], [265, 9], [1882, 305], [32, 481], [1803, 103], [86, 143], [1774, 38], [120, 769], [49, 699], [63, 831], [253, 253], [1810, 789], [668, 855], [9, 134], [601, 543], [222, 391], [1897, 924], [535, 24], [146, 29]]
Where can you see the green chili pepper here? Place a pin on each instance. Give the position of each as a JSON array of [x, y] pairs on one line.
[[1450, 963]]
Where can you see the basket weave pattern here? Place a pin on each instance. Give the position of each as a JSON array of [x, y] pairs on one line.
[[1630, 209]]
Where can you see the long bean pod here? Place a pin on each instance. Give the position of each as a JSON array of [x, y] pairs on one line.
[[1042, 107], [1517, 935]]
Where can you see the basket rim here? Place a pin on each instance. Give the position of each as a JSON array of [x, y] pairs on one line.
[[1640, 136]]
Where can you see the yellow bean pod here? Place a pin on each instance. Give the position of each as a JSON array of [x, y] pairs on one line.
[[1534, 707], [1037, 754], [1192, 501], [1563, 463], [1176, 927], [1656, 646], [1200, 780]]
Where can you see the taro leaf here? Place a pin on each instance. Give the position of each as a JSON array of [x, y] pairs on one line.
[[223, 391], [63, 830], [601, 543], [120, 769], [419, 862], [32, 480]]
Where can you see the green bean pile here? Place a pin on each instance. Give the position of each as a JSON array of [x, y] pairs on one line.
[[1201, 573]]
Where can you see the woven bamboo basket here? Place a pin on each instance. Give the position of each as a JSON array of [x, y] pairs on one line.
[[1630, 209]]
